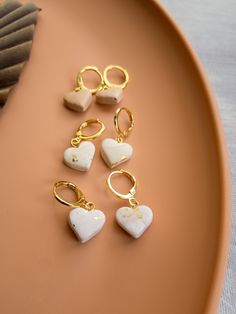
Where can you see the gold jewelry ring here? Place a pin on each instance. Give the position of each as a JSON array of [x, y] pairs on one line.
[[108, 84], [80, 81], [132, 191], [68, 185], [123, 133], [85, 124]]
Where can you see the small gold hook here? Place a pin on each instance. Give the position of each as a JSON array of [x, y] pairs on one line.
[[132, 191], [80, 202], [80, 136], [80, 82], [108, 84], [123, 133]]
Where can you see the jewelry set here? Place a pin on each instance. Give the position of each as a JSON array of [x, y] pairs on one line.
[[84, 219]]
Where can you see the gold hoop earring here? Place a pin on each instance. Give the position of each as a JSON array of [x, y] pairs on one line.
[[84, 219], [80, 155], [114, 151], [81, 98], [112, 93], [134, 219]]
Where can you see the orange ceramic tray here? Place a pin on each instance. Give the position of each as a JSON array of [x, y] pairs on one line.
[[179, 161]]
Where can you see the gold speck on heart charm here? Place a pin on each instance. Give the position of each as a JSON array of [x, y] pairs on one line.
[[84, 219], [134, 219], [80, 155], [114, 151]]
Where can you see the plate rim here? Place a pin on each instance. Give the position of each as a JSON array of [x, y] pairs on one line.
[[217, 281]]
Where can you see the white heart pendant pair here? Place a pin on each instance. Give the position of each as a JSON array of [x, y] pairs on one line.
[[86, 223], [113, 153]]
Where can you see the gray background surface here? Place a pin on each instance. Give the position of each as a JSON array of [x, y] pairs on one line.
[[210, 26]]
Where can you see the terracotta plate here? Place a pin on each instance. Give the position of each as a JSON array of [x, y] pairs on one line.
[[179, 161]]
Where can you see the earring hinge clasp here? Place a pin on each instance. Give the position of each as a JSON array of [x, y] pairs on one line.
[[132, 191]]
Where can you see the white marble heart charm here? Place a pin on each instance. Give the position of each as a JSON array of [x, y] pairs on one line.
[[78, 101], [134, 221], [80, 158], [86, 224], [114, 153]]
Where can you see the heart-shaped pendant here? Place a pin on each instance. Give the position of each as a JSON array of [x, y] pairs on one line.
[[110, 96], [80, 158], [134, 221], [114, 153], [86, 224], [78, 101]]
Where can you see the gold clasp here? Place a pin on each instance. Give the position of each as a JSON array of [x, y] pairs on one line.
[[80, 136], [123, 133], [130, 195], [80, 198], [108, 84], [80, 82]]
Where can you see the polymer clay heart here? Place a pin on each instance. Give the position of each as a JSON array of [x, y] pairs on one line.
[[78, 101], [86, 224], [110, 96], [114, 153], [80, 158], [134, 221]]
